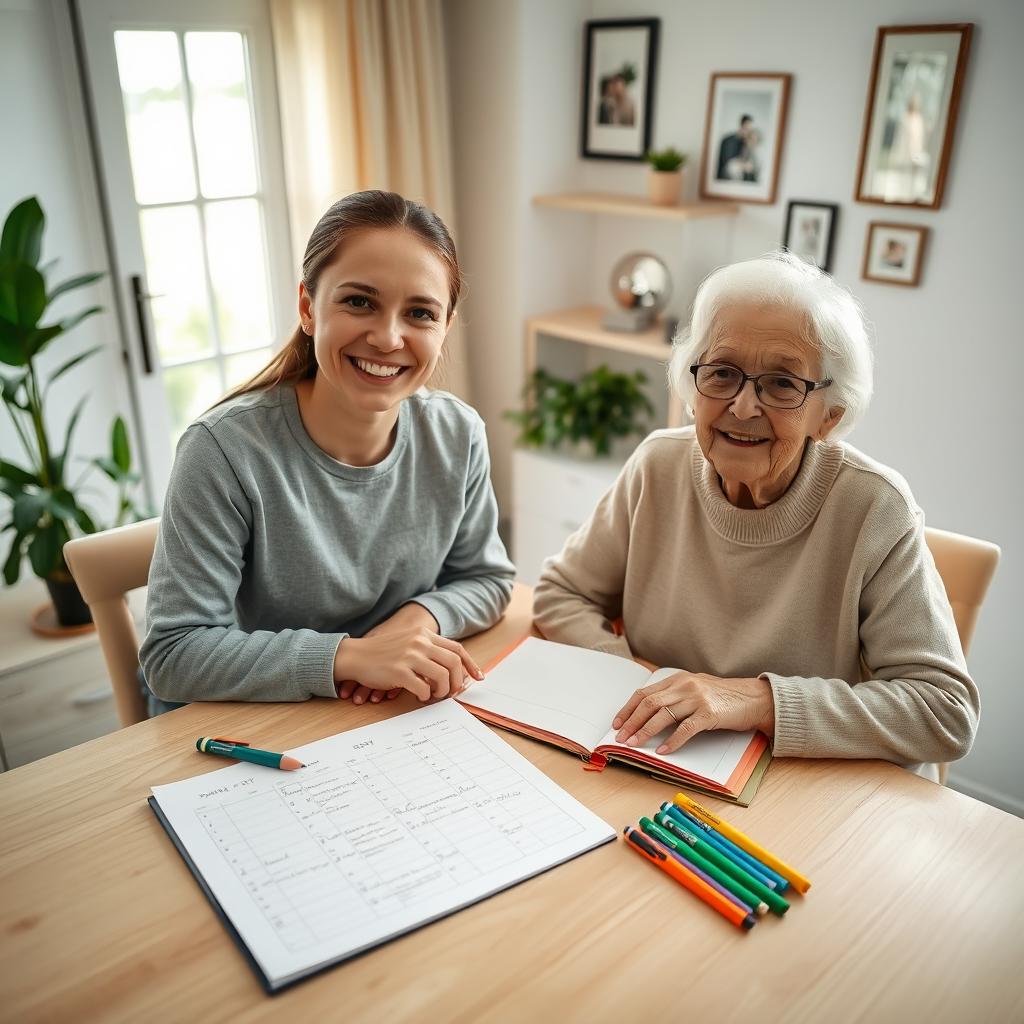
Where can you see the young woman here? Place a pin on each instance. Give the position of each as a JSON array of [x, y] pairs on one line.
[[330, 528]]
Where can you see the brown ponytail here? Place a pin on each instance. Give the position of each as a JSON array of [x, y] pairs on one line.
[[355, 212]]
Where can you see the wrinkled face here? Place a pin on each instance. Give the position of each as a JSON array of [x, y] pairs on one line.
[[379, 317], [750, 444]]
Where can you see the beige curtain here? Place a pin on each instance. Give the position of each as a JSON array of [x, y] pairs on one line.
[[364, 104]]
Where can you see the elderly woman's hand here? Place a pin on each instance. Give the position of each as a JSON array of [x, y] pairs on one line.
[[697, 702]]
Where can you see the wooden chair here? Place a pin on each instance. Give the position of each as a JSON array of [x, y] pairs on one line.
[[966, 566], [106, 566]]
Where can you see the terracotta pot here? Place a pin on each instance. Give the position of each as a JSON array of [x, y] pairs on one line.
[[664, 187]]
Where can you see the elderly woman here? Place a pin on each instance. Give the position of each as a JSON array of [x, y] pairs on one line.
[[782, 570]]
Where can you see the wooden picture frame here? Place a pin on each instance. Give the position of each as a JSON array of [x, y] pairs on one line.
[[811, 231], [917, 76], [894, 253], [619, 63], [743, 133]]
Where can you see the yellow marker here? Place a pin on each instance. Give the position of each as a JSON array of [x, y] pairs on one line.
[[794, 878]]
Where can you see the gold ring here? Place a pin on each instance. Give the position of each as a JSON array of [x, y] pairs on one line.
[[672, 716]]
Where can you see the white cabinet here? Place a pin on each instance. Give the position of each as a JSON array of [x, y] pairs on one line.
[[552, 496]]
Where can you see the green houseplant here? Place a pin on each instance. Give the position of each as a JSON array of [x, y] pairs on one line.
[[46, 507], [665, 178], [594, 411]]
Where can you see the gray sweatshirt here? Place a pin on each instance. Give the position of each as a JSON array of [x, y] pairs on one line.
[[270, 552]]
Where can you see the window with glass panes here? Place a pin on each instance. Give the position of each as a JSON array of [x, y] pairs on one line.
[[191, 139]]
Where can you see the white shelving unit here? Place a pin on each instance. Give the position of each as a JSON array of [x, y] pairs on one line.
[[554, 494]]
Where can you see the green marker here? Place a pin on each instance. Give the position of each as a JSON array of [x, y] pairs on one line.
[[685, 851], [777, 904]]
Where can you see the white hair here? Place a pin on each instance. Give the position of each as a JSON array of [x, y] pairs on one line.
[[836, 327]]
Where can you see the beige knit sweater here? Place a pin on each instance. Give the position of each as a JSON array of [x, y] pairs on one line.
[[832, 575]]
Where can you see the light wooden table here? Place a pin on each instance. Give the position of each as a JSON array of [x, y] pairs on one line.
[[914, 915]]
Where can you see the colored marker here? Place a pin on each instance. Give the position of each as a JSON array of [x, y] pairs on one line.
[[775, 902], [736, 888], [243, 752], [707, 878], [679, 820], [638, 842], [793, 876], [740, 855]]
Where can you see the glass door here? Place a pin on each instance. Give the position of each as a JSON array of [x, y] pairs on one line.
[[187, 124]]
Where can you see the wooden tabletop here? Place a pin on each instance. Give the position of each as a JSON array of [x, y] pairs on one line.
[[914, 914]]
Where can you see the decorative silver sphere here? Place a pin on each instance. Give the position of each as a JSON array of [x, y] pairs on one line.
[[640, 281]]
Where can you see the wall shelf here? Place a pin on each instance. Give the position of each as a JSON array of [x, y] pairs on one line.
[[634, 206], [583, 325]]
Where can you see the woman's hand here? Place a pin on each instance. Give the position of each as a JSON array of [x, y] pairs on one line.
[[405, 650], [697, 702]]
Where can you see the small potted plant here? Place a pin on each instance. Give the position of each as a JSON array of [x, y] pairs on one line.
[[584, 416], [46, 507], [665, 177]]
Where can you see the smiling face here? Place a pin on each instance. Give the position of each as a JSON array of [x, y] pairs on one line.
[[756, 449], [379, 318]]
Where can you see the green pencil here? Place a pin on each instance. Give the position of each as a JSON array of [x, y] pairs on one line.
[[777, 904], [727, 881]]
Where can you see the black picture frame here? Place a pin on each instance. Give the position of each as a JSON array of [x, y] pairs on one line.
[[617, 111], [817, 247]]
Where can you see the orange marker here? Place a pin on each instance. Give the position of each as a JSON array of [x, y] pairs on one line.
[[648, 848]]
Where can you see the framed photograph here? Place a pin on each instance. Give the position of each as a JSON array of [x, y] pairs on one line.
[[619, 60], [743, 136], [810, 230], [916, 78], [893, 253]]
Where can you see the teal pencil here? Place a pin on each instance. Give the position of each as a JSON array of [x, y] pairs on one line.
[[730, 883], [243, 752], [675, 823], [727, 845], [775, 902]]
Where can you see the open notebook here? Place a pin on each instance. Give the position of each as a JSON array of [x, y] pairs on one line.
[[569, 695], [387, 828]]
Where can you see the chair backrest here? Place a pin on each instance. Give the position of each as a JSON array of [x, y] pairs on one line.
[[106, 566], [966, 566]]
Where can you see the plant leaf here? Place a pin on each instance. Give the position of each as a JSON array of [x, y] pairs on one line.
[[74, 321], [12, 566], [71, 363], [28, 510], [62, 504], [72, 283], [9, 386], [13, 346], [109, 466], [29, 295], [10, 488], [44, 335], [44, 550], [23, 233], [84, 520], [119, 448], [61, 460], [9, 471]]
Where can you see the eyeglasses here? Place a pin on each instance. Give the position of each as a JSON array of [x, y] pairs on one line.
[[778, 390]]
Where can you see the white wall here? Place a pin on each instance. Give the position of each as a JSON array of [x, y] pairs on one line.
[[46, 155], [948, 356]]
